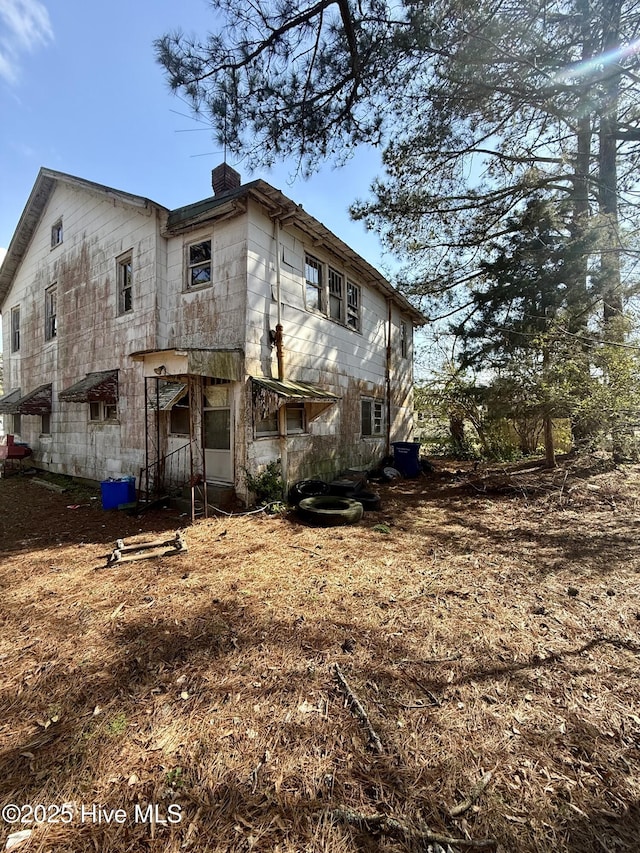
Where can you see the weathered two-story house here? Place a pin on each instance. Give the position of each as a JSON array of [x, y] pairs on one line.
[[197, 343]]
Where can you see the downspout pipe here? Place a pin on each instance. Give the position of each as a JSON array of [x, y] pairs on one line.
[[282, 409], [387, 381]]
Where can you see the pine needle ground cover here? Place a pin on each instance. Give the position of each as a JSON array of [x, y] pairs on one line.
[[459, 670]]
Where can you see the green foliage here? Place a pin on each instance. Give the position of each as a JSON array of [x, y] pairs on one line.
[[267, 485]]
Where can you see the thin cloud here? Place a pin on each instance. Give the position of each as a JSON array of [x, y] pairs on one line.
[[24, 26]]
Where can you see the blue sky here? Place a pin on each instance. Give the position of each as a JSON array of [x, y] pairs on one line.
[[80, 92]]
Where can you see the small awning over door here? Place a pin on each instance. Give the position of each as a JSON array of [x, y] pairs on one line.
[[165, 395], [95, 387]]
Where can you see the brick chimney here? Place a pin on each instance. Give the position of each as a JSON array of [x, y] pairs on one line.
[[224, 179]]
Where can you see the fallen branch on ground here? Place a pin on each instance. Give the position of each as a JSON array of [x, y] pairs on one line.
[[358, 710], [397, 829], [474, 796]]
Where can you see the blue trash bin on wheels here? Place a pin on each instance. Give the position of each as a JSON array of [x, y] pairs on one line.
[[406, 457]]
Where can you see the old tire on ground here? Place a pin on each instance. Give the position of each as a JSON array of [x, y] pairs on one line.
[[330, 510], [369, 500], [307, 489]]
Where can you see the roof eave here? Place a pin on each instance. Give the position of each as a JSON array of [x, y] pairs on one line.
[[36, 203]]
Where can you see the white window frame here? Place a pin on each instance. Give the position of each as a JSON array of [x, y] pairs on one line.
[[51, 312], [15, 329], [45, 424], [404, 339], [329, 291], [314, 286], [375, 427], [56, 233], [124, 278], [193, 266], [273, 418], [336, 285], [101, 412], [354, 306]]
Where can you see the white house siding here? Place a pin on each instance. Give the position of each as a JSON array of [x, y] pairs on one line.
[[208, 317], [321, 352], [91, 336]]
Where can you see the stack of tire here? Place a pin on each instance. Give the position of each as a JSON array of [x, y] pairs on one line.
[[331, 504]]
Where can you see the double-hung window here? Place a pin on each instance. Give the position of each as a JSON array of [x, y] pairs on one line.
[[56, 234], [404, 340], [15, 329], [353, 306], [295, 418], [328, 292], [101, 411], [199, 264], [313, 283], [336, 294], [125, 284], [51, 313], [372, 417]]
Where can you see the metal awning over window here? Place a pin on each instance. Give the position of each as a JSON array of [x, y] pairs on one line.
[[8, 402], [270, 394], [165, 395], [36, 402], [95, 387]]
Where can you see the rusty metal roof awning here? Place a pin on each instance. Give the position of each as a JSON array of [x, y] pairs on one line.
[[270, 394], [36, 402], [95, 387], [8, 402], [166, 395], [296, 391]]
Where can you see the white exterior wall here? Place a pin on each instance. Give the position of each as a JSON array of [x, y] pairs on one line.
[[90, 335], [212, 316], [237, 311], [322, 352]]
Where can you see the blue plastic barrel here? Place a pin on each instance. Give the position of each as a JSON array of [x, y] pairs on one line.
[[117, 492], [406, 457]]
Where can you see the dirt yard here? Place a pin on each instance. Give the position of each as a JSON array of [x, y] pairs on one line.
[[459, 670]]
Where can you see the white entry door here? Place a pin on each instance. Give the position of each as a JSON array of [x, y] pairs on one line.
[[218, 445]]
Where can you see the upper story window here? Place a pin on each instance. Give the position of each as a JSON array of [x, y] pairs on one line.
[[125, 284], [404, 340], [51, 312], [336, 294], [313, 283], [15, 329], [328, 292], [56, 233], [198, 264], [353, 306]]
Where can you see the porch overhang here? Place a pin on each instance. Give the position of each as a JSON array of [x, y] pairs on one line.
[[8, 402], [36, 402], [168, 392], [269, 394], [95, 387], [216, 363]]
